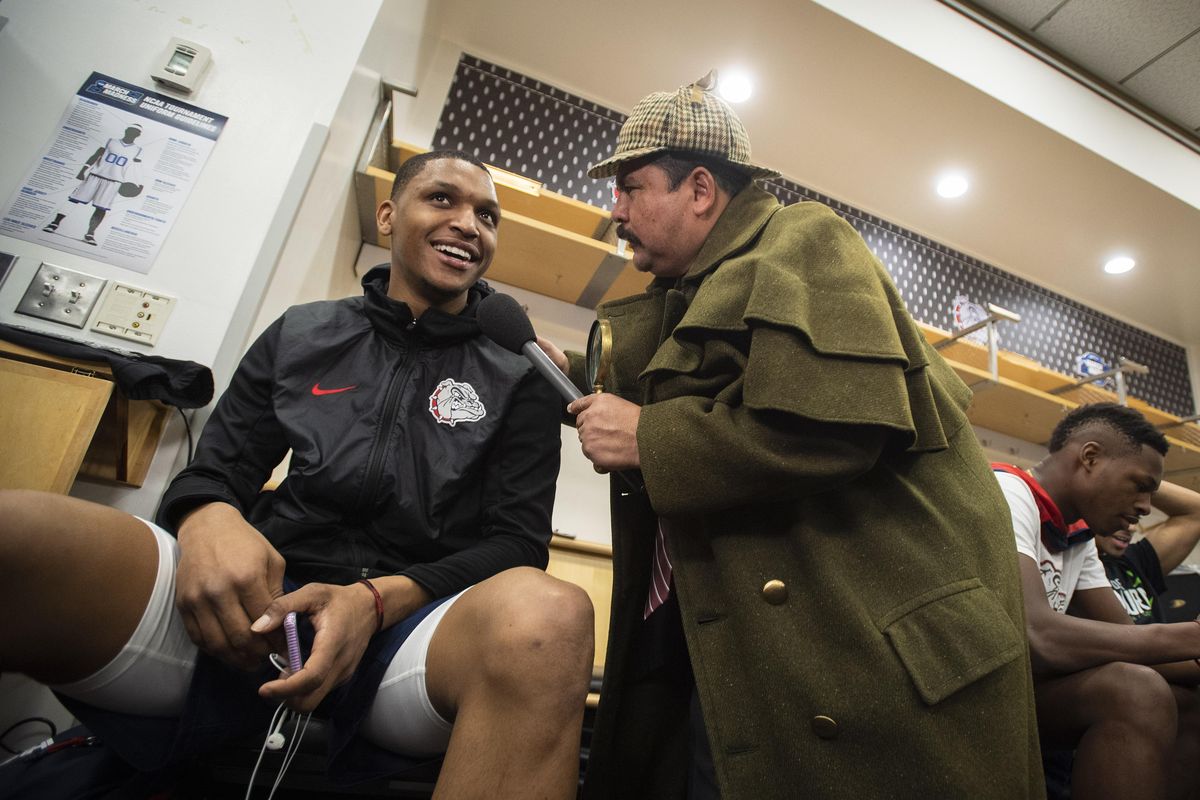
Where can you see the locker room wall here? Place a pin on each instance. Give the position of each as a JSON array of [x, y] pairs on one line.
[[280, 69]]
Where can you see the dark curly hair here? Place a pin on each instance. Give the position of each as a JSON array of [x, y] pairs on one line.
[[411, 168], [1127, 423]]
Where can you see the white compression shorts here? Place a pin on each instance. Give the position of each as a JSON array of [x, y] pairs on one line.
[[151, 675]]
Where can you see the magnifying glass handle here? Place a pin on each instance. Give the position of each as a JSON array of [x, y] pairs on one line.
[[599, 389]]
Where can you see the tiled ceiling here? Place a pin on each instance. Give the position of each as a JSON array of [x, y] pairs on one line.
[[1146, 50]]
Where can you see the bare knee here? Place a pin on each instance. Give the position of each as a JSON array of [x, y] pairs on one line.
[[1139, 697], [540, 635], [1134, 684]]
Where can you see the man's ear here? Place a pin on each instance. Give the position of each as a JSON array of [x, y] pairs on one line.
[[704, 190], [383, 217], [1089, 454]]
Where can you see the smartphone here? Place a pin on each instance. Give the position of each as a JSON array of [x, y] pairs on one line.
[[295, 663]]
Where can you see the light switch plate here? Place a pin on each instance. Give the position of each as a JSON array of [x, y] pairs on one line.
[[129, 312], [61, 295]]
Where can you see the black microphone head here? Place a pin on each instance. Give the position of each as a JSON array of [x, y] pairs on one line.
[[502, 320]]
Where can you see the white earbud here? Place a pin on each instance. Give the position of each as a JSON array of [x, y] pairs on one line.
[[276, 740]]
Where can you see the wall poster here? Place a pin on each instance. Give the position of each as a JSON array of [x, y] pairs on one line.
[[115, 175]]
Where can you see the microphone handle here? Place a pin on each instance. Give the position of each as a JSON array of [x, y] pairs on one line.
[[544, 365]]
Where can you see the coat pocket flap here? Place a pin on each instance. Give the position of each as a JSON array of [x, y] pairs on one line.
[[951, 636]]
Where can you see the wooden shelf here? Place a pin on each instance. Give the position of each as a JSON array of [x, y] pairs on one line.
[[125, 441], [45, 424], [1019, 403], [63, 418], [1009, 407]]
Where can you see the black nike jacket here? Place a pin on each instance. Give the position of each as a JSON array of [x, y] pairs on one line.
[[419, 447]]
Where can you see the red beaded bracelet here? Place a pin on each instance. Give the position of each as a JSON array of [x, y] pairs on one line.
[[378, 604]]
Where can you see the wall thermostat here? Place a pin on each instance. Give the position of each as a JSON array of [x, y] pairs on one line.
[[182, 65]]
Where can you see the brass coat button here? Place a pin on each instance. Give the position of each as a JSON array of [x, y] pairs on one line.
[[825, 727], [775, 592]]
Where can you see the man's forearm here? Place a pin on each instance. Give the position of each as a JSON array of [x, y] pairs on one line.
[[1181, 673], [1076, 644], [1176, 536], [1176, 501]]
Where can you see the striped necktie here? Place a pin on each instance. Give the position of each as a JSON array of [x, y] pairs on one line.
[[660, 576], [675, 305]]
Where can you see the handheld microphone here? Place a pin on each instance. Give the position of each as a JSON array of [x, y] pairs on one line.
[[502, 320]]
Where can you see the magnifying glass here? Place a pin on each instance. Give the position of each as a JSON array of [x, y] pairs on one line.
[[599, 354], [599, 358]]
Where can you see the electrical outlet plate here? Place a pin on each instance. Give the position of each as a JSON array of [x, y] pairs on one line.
[[129, 312], [61, 295]]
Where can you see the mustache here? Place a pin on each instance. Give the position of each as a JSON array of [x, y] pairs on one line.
[[623, 233]]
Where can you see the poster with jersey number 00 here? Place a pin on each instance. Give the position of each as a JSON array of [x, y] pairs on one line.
[[114, 177]]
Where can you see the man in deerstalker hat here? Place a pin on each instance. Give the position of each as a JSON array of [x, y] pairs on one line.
[[816, 591]]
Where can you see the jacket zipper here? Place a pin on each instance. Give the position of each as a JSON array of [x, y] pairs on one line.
[[391, 405]]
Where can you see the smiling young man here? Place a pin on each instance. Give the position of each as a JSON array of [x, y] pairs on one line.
[[1103, 469], [410, 534]]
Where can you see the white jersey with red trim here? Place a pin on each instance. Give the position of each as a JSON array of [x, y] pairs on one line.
[[1064, 572]]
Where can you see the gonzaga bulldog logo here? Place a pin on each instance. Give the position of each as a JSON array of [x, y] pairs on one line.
[[453, 402]]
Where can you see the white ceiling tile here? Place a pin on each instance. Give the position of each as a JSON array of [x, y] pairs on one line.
[[1022, 13], [1172, 84], [1112, 39]]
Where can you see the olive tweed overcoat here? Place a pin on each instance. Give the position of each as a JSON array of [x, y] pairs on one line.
[[843, 558]]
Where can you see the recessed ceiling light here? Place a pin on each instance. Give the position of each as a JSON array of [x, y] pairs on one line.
[[1116, 266], [735, 86], [952, 185]]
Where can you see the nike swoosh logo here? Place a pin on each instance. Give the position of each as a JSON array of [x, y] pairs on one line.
[[318, 391]]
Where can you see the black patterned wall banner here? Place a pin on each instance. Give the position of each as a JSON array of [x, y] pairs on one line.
[[528, 127], [537, 130]]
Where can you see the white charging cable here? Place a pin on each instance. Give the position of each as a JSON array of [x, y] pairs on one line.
[[275, 739]]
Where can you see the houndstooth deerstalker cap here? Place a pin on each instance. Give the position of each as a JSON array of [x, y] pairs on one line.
[[692, 119]]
